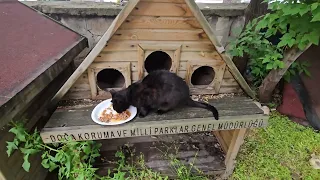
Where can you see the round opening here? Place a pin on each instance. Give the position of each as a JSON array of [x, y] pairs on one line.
[[157, 60], [110, 78], [204, 75]]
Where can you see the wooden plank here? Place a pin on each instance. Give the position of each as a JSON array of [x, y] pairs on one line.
[[116, 56], [140, 58], [165, 1], [223, 144], [135, 75], [214, 86], [94, 132], [176, 60], [208, 90], [217, 81], [227, 74], [131, 45], [156, 22], [236, 142], [227, 136], [200, 56], [96, 50], [237, 75], [159, 46], [209, 32], [160, 35], [183, 67], [161, 9], [229, 82], [77, 95], [92, 82], [205, 149], [234, 113], [205, 25]]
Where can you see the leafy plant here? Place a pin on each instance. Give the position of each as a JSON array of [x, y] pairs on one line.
[[72, 159], [297, 23]]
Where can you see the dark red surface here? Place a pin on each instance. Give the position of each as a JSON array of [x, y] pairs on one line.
[[312, 84], [291, 104], [29, 44]]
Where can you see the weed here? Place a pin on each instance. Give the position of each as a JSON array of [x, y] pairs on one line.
[[281, 151]]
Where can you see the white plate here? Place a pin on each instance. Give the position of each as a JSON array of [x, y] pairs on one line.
[[105, 104]]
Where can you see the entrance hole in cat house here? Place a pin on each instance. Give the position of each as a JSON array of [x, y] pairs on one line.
[[203, 75], [157, 60], [110, 78]]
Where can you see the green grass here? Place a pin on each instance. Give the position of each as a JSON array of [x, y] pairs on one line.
[[281, 151]]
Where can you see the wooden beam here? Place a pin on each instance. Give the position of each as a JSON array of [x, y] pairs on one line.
[[96, 50], [206, 27], [234, 147]]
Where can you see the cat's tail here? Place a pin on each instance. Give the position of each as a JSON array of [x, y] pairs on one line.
[[209, 107]]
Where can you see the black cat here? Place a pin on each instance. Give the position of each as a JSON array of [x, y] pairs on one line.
[[160, 90]]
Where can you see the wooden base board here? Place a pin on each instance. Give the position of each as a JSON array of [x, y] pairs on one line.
[[75, 122], [200, 148]]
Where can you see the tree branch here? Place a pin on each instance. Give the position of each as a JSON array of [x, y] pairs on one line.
[[269, 83]]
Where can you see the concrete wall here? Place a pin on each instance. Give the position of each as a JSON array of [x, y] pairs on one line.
[[92, 19]]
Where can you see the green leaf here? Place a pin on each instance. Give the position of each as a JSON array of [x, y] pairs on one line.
[[26, 164], [291, 42], [29, 151], [314, 6], [314, 37], [52, 166], [19, 132], [86, 149], [282, 43], [281, 65], [265, 60], [269, 66], [316, 17], [303, 9], [45, 163], [11, 146], [307, 73]]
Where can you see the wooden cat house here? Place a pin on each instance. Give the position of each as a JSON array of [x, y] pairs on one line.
[[159, 34]]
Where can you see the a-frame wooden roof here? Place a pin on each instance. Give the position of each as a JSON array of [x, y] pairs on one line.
[[122, 16]]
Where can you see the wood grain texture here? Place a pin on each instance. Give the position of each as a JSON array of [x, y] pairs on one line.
[[209, 157], [234, 147], [92, 82], [124, 13], [176, 60], [237, 75], [205, 25], [160, 35], [237, 110], [156, 22], [165, 1], [131, 45], [140, 66], [200, 56], [214, 86], [161, 9], [116, 56]]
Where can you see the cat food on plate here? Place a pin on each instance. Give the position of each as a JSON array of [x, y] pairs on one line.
[[110, 115], [104, 114]]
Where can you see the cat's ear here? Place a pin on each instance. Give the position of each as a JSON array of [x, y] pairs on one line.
[[112, 92]]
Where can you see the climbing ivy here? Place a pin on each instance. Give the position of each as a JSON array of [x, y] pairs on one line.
[[297, 23]]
